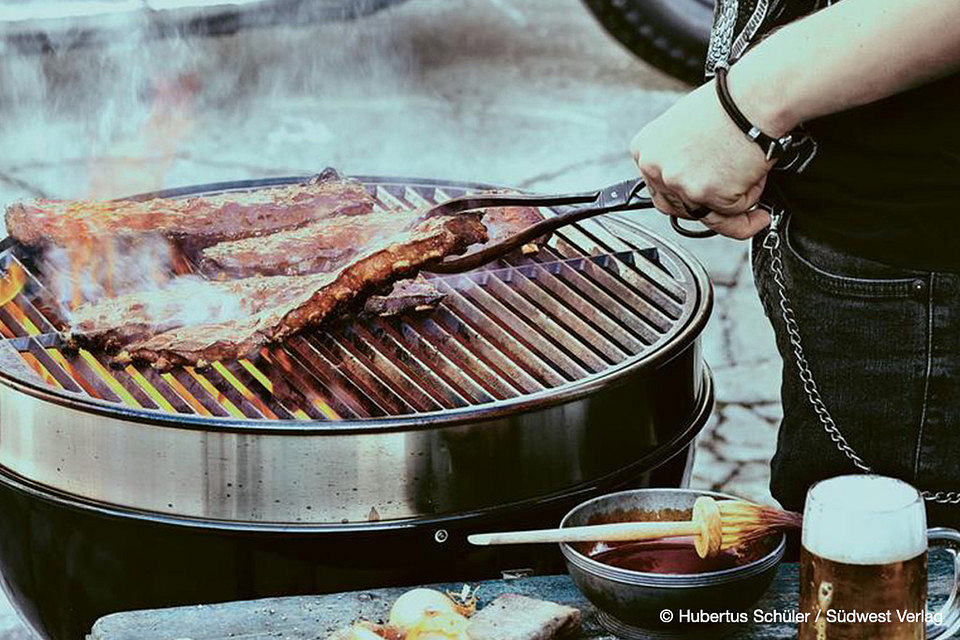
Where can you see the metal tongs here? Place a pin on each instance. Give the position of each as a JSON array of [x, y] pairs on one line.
[[623, 196]]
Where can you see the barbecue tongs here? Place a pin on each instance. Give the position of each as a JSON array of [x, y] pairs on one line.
[[623, 196]]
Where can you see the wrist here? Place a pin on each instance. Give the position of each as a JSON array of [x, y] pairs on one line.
[[764, 100]]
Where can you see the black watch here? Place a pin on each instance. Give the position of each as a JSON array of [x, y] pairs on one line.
[[773, 148]]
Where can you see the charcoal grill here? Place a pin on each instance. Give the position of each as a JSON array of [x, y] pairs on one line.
[[354, 456]]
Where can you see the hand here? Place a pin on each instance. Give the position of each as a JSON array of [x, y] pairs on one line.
[[695, 156]]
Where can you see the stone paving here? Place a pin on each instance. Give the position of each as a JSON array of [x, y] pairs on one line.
[[528, 93]]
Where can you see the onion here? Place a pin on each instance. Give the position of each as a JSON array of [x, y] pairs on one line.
[[436, 625], [413, 606]]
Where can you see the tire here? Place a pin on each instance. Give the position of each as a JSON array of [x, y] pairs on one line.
[[672, 35]]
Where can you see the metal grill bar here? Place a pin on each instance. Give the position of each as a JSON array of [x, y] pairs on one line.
[[430, 337], [467, 313], [384, 373], [379, 344], [512, 369], [416, 352], [375, 390]]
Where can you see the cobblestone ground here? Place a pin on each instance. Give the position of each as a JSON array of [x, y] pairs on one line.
[[525, 93]]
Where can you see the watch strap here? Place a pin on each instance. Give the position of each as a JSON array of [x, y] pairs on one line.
[[773, 148]]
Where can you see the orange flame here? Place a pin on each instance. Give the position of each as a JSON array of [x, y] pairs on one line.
[[41, 370], [136, 164], [141, 162], [283, 359], [12, 283], [215, 393], [22, 319]]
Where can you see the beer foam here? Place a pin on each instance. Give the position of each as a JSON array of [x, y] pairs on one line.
[[865, 519]]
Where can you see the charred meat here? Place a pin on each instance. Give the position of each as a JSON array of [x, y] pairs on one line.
[[503, 222], [316, 247], [417, 294], [328, 244], [199, 221], [273, 307]]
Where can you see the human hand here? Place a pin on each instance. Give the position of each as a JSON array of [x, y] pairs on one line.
[[694, 156]]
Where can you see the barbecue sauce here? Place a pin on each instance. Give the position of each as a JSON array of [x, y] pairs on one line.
[[662, 556]]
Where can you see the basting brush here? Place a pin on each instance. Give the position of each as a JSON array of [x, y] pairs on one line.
[[716, 525]]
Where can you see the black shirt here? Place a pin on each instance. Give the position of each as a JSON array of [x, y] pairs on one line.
[[885, 180]]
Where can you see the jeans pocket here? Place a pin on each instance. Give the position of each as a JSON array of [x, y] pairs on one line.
[[841, 273]]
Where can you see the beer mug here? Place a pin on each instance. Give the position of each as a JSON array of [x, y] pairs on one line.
[[863, 565]]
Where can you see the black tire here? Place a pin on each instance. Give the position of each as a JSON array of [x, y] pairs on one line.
[[672, 35]]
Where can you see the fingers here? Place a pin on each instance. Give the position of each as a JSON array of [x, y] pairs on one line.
[[664, 199], [742, 203], [733, 216], [740, 226]]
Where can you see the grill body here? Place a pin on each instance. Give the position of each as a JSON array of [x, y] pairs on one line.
[[538, 383]]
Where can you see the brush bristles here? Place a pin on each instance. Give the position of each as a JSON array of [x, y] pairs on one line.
[[745, 522]]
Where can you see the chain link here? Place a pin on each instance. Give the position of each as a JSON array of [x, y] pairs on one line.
[[772, 244]]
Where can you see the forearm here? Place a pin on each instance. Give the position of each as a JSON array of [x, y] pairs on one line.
[[852, 53]]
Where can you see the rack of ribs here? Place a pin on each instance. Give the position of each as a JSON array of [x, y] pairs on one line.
[[329, 243], [271, 307], [199, 221]]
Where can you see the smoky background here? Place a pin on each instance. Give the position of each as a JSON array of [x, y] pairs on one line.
[[460, 89]]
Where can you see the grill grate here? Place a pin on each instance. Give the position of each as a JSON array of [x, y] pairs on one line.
[[595, 297]]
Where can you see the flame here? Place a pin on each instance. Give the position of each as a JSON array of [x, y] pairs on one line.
[[35, 364], [149, 389], [141, 163], [136, 164], [22, 319], [222, 400], [12, 283], [242, 388], [185, 394], [287, 365], [125, 396], [67, 366], [181, 266]]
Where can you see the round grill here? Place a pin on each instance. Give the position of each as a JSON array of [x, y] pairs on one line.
[[359, 455]]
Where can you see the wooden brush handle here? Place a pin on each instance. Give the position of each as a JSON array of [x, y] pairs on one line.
[[617, 532]]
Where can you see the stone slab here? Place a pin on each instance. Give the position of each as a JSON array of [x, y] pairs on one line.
[[313, 617], [743, 427]]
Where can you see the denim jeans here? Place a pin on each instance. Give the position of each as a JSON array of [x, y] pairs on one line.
[[883, 344]]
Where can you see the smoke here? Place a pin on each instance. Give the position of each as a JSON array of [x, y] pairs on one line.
[[129, 112], [191, 300], [96, 268], [93, 106], [139, 273]]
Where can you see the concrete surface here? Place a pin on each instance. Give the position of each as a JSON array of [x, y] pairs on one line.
[[525, 93]]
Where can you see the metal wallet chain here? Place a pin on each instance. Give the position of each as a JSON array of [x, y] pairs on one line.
[[772, 244]]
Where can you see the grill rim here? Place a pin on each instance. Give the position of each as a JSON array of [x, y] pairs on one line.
[[667, 451], [702, 306]]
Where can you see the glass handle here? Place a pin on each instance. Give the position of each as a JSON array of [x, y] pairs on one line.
[[949, 539]]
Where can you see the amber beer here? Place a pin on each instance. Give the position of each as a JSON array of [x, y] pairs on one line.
[[845, 594], [863, 563]]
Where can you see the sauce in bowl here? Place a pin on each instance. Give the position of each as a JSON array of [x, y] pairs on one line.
[[663, 556]]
